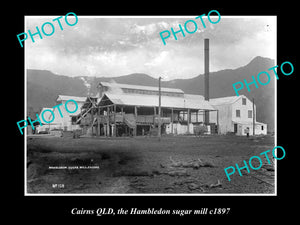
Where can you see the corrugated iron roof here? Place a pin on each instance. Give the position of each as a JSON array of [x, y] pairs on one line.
[[225, 100], [196, 97], [140, 87], [186, 102], [67, 97]]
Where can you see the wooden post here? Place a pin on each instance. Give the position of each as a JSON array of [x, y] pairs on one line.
[[104, 125], [92, 114], [218, 121], [135, 114], [98, 121], [188, 121], [115, 124], [107, 129], [122, 112], [206, 77], [159, 108], [172, 120], [154, 110]]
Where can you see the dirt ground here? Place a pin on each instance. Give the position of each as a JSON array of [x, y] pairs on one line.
[[145, 165]]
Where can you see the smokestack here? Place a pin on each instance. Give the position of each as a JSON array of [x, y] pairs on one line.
[[206, 69], [206, 76]]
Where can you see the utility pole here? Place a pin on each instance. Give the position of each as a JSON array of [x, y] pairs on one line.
[[206, 78], [159, 108], [253, 117]]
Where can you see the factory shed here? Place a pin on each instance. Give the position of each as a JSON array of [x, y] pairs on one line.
[[133, 110]]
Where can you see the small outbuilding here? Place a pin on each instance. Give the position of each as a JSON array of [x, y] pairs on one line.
[[64, 122]]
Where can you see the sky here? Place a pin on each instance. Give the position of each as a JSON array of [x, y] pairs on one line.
[[116, 46]]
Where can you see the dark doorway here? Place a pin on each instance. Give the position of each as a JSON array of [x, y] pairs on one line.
[[235, 128]]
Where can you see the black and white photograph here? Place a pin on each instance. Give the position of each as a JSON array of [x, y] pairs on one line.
[[144, 112], [151, 105]]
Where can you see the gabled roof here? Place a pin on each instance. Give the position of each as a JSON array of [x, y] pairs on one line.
[[186, 102], [196, 97], [67, 97], [225, 100], [140, 87]]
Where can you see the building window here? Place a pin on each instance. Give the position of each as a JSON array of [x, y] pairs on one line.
[[238, 113], [262, 127], [244, 100], [249, 113]]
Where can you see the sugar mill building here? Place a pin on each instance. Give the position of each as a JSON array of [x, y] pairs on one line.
[[123, 109]]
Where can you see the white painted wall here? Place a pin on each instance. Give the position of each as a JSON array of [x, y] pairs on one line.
[[225, 120], [64, 122], [228, 117], [243, 110], [179, 128]]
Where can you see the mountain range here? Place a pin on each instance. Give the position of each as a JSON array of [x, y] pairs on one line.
[[43, 86]]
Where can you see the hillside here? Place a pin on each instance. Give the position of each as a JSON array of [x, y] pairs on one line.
[[43, 86]]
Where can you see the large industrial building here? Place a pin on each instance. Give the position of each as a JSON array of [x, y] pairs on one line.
[[123, 109]]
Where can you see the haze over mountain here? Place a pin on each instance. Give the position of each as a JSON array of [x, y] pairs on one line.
[[43, 86]]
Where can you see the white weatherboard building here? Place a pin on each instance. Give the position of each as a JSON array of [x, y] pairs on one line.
[[64, 122], [235, 114]]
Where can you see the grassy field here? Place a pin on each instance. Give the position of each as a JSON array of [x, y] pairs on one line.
[[145, 165]]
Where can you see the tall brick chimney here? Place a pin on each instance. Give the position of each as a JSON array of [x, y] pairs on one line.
[[206, 76]]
